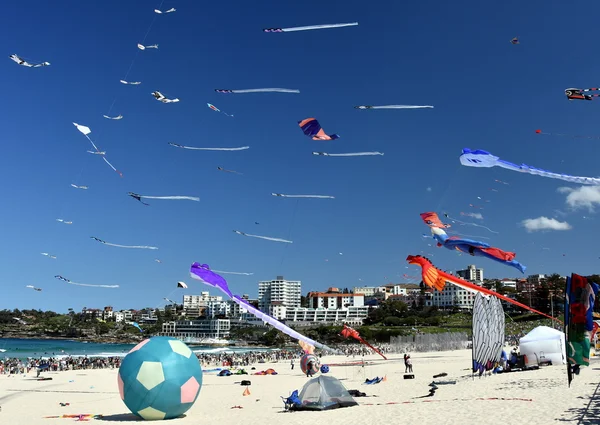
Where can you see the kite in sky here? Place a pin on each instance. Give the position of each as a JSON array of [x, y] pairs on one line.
[[348, 332], [310, 27], [214, 108], [348, 154], [303, 196], [468, 246], [161, 98], [63, 221], [483, 159], [262, 237], [84, 284], [79, 187], [394, 107], [267, 90], [160, 12], [49, 255], [182, 285], [204, 274], [133, 83], [118, 117], [581, 94], [142, 47], [237, 273], [139, 197], [136, 325], [242, 148], [123, 246], [514, 41], [86, 131], [34, 288], [436, 278], [97, 152], [23, 62], [312, 128], [575, 136], [168, 300], [157, 260], [229, 171]]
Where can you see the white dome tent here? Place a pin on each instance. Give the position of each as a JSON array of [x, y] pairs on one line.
[[543, 343]]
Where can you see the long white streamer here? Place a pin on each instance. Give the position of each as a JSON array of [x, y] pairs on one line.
[[262, 237], [209, 149], [282, 195], [265, 90], [394, 107], [124, 246], [237, 273], [311, 27], [348, 154]]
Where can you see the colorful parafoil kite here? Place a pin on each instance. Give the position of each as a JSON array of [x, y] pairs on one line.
[[469, 246], [484, 159], [436, 278], [349, 332], [580, 296], [203, 273], [312, 128], [582, 94]]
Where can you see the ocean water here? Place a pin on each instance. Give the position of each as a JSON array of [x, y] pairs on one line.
[[23, 348]]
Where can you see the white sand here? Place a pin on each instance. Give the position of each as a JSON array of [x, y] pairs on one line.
[[25, 401]]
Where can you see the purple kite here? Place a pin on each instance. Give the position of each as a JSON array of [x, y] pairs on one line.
[[312, 128], [204, 274]]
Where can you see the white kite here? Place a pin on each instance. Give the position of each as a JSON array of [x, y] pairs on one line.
[[142, 47], [160, 12], [79, 187], [161, 98], [394, 107], [237, 273], [97, 152], [267, 90], [84, 284], [310, 27], [229, 171], [34, 288], [209, 149], [60, 220], [133, 83], [49, 255], [123, 246], [86, 131], [23, 62], [118, 117], [262, 237], [348, 154], [157, 260], [139, 197], [303, 196]]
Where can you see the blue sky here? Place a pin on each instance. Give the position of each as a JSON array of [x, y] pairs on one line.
[[488, 94]]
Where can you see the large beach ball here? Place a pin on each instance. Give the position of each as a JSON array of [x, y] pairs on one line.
[[307, 359], [160, 378]]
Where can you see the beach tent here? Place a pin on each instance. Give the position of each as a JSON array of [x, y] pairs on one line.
[[324, 393], [543, 343]]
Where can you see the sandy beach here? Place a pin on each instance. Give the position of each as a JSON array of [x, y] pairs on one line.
[[538, 397]]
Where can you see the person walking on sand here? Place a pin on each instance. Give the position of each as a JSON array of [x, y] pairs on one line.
[[292, 363], [407, 364]]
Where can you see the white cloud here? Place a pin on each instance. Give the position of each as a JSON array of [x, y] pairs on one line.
[[584, 197], [544, 223]]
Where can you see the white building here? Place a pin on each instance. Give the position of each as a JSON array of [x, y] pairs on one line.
[[403, 289], [453, 296], [119, 317], [369, 291], [508, 283], [353, 315], [274, 294], [335, 300], [196, 305], [208, 328], [471, 273]]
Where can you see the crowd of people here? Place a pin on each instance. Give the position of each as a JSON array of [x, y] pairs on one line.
[[12, 366]]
